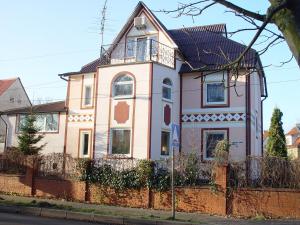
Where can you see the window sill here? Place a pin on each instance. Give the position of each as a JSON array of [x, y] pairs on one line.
[[123, 97], [167, 100]]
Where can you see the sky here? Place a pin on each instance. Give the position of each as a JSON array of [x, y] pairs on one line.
[[41, 39]]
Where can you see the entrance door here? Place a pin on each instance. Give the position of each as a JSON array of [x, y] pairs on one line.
[[141, 49]]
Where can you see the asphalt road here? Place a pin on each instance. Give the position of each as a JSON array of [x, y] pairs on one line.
[[17, 219]]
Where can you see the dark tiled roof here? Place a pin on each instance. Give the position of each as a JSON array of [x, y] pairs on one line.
[[205, 47], [42, 108], [5, 84]]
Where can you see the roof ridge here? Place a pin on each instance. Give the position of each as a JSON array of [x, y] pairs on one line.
[[207, 25], [13, 78]]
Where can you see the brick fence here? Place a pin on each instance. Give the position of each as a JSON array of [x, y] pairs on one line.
[[219, 199]]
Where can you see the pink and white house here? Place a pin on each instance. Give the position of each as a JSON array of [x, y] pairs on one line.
[[124, 103]]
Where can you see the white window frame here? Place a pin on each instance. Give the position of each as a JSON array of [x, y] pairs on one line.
[[85, 97], [170, 147], [205, 134], [123, 82], [82, 133], [43, 130], [111, 141], [215, 79], [135, 40], [167, 86]]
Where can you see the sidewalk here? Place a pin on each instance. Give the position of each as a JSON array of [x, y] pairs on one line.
[[121, 215]]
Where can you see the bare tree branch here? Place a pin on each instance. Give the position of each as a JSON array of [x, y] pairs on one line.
[[241, 10]]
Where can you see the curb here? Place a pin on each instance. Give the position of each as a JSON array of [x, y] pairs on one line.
[[89, 217]]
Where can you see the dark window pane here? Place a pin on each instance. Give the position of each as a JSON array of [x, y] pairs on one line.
[[120, 141], [211, 142], [165, 143], [166, 92], [215, 92], [167, 82], [123, 89], [85, 144]]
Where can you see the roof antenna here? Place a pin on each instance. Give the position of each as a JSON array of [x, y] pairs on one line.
[[103, 19]]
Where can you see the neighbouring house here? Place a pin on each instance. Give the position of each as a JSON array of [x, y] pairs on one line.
[[123, 104], [50, 119], [12, 96], [293, 142]]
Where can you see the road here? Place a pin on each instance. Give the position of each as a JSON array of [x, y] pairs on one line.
[[18, 219]]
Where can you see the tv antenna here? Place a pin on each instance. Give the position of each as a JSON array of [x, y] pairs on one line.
[[103, 19]]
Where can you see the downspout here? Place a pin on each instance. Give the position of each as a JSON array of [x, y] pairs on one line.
[[66, 124], [6, 130]]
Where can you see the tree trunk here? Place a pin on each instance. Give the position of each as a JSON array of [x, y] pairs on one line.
[[288, 21]]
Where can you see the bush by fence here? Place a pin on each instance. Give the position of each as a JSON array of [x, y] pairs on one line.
[[274, 172]]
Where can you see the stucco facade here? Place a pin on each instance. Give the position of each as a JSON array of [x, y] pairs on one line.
[[145, 81]]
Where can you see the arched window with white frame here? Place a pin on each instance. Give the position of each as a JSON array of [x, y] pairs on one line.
[[167, 89], [123, 86]]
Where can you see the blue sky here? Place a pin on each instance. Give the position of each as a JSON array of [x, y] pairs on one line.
[[40, 39]]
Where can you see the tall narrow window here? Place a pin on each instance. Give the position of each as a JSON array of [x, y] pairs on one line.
[[85, 138], [167, 89], [154, 45], [130, 48], [165, 143], [88, 95], [123, 86], [120, 142]]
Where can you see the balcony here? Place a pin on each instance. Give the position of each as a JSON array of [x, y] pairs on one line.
[[142, 50]]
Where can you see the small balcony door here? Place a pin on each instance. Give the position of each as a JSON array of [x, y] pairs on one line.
[[141, 49]]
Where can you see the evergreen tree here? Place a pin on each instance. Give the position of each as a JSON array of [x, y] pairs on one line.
[[29, 137], [276, 143]]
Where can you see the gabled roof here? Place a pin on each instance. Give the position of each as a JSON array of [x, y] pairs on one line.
[[204, 47], [52, 107], [294, 131], [5, 84]]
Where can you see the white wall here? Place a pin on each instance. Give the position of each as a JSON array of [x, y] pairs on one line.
[[159, 74], [54, 141], [139, 113]]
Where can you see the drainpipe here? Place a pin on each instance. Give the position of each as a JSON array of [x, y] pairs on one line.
[[6, 129]]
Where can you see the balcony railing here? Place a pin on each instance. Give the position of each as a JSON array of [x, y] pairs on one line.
[[142, 50]]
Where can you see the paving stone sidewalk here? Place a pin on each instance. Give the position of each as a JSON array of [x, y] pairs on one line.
[[147, 214]]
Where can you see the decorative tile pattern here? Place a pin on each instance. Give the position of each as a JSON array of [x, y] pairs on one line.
[[81, 118], [213, 117]]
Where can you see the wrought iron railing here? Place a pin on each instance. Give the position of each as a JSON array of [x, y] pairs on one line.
[[145, 50]]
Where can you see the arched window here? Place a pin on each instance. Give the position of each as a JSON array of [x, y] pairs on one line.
[[167, 89], [123, 86]]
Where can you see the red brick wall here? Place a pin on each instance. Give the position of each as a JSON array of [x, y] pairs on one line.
[[127, 198], [15, 184], [273, 203], [65, 189], [201, 199], [241, 202]]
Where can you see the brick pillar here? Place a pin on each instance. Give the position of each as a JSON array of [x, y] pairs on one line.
[[221, 180], [221, 176]]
